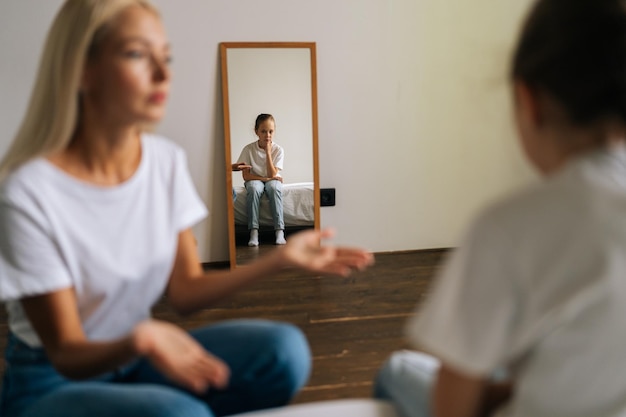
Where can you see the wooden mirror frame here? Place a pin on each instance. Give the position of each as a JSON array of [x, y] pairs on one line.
[[224, 47]]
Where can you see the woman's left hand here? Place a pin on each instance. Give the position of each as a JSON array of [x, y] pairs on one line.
[[304, 250]]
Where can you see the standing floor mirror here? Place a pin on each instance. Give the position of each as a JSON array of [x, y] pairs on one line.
[[278, 78]]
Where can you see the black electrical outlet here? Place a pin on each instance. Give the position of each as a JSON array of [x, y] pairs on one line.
[[327, 197]]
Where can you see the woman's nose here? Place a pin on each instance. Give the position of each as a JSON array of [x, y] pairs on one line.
[[160, 70]]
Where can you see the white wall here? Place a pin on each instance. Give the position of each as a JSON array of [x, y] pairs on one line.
[[414, 114]]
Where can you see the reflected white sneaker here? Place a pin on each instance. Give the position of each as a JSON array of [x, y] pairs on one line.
[[254, 238], [280, 237]]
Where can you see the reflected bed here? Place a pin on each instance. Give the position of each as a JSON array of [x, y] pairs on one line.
[[298, 206]]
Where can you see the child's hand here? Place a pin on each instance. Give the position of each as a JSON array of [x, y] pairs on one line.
[[239, 166]]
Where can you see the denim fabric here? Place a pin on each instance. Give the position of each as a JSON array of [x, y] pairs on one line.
[[269, 363], [274, 191], [406, 379]]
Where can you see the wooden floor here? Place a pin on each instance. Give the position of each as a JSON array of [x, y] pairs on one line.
[[352, 324]]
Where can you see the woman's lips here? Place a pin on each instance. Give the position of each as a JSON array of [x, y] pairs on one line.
[[158, 98]]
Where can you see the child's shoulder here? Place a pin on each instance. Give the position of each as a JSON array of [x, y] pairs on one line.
[[540, 205]]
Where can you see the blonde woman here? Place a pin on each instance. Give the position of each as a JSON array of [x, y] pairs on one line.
[[95, 216]]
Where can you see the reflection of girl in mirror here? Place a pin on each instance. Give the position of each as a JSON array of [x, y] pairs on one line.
[[96, 218], [527, 318], [266, 160]]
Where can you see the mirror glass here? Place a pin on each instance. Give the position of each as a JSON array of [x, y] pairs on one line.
[[277, 78]]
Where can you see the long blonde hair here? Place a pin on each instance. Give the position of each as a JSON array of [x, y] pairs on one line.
[[54, 109]]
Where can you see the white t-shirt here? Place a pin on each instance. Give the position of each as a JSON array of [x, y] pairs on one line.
[[252, 155], [114, 245], [539, 285]]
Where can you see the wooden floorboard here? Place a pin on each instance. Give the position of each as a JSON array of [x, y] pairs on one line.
[[352, 324]]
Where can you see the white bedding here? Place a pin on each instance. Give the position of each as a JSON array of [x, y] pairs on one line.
[[298, 205]]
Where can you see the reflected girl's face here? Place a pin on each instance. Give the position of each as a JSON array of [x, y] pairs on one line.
[[265, 133], [127, 80]]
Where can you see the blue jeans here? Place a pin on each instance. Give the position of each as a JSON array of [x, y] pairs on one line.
[[274, 191], [269, 363], [406, 379]]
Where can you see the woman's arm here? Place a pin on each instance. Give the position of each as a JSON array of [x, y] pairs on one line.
[[191, 289], [55, 319]]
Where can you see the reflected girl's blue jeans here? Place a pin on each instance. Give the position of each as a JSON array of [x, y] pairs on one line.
[[269, 363], [274, 190]]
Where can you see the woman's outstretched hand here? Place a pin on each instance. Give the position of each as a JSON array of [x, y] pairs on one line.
[[305, 250], [180, 357]]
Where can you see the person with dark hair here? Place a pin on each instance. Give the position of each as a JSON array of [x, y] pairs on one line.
[[527, 316], [96, 215], [265, 159]]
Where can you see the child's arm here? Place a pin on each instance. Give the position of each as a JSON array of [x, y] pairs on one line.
[[459, 395], [249, 176], [271, 169], [497, 394], [239, 166]]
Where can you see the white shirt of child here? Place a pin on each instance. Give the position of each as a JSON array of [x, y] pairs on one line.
[[252, 155], [539, 285], [114, 245]]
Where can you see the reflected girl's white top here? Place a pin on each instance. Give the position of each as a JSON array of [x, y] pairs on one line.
[[252, 155], [114, 245], [539, 284]]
